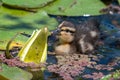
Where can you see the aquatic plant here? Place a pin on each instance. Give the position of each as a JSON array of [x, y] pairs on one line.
[[85, 66]]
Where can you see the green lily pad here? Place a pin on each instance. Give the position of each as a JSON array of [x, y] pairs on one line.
[[14, 73], [56, 7], [10, 25], [14, 12], [26, 3], [75, 7]]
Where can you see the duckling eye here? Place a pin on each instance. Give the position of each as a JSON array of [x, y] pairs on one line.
[[62, 30]]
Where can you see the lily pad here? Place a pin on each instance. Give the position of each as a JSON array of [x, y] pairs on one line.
[[26, 3], [14, 73], [14, 12], [56, 7], [10, 25], [75, 7]]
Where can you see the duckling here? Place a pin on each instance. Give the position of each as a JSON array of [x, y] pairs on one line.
[[65, 44], [82, 39]]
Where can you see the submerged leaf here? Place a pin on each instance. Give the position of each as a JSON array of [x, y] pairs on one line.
[[35, 49]]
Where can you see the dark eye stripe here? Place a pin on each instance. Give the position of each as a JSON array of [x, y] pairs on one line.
[[68, 31]]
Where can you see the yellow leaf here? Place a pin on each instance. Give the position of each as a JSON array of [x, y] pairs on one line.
[[35, 49]]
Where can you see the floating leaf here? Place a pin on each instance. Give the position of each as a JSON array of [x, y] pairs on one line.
[[35, 49], [14, 12], [26, 3], [14, 73], [75, 7]]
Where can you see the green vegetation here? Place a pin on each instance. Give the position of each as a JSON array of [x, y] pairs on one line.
[[74, 7], [10, 25], [25, 16], [14, 73], [26, 4], [113, 76]]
